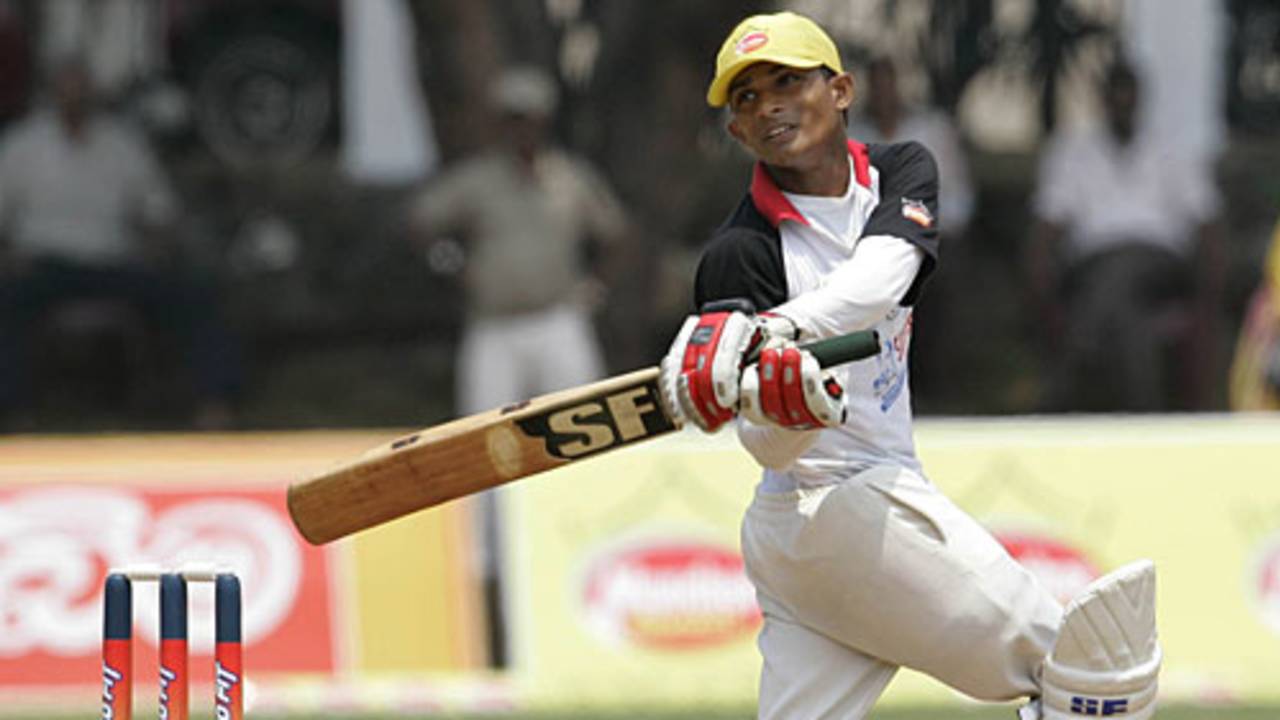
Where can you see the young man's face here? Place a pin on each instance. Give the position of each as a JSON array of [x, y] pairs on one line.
[[787, 116]]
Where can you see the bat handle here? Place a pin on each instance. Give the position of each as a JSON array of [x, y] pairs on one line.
[[840, 349], [845, 348]]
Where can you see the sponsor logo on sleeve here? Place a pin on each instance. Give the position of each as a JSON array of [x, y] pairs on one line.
[[917, 212]]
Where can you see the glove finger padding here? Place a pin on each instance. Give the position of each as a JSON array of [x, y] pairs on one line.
[[788, 388], [670, 371], [703, 367], [715, 366]]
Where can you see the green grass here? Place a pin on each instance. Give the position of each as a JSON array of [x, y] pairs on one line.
[[1007, 713], [985, 713], [990, 713]]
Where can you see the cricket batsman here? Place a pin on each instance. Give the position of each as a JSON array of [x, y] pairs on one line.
[[860, 564]]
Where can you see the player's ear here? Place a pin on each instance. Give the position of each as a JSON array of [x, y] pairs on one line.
[[735, 129], [842, 90]]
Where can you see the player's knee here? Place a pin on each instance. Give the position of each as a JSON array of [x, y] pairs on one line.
[[1106, 659], [988, 669]]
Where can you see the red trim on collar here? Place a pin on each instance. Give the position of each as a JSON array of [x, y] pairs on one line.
[[775, 206], [861, 163], [769, 200]]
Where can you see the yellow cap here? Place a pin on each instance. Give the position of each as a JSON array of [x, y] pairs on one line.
[[784, 38]]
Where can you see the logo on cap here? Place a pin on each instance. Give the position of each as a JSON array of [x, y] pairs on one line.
[[751, 42]]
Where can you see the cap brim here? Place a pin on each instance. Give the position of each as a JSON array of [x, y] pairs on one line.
[[718, 92]]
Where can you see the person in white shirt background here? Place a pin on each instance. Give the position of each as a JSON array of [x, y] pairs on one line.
[[1126, 264], [88, 214]]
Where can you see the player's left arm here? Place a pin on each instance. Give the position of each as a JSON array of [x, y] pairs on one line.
[[895, 255]]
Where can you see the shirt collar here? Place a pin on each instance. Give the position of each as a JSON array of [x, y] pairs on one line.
[[775, 206]]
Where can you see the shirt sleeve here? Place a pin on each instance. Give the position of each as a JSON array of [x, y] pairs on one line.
[[774, 447], [908, 207], [861, 291], [741, 263], [442, 204]]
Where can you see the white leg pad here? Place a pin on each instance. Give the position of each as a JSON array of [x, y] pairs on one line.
[[1106, 659]]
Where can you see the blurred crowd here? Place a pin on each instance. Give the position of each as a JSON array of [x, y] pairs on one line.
[[219, 215]]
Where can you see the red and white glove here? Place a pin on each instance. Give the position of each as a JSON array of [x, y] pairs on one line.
[[787, 388], [702, 371]]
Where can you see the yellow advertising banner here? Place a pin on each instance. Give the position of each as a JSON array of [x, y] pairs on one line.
[[628, 583], [628, 588]]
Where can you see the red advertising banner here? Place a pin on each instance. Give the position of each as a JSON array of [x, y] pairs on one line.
[[58, 541]]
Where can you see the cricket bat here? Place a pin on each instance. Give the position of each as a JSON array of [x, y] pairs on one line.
[[482, 451]]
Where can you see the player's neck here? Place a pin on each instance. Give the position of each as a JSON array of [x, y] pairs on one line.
[[828, 177]]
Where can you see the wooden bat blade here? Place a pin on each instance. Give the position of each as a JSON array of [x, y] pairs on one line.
[[449, 461], [482, 451]]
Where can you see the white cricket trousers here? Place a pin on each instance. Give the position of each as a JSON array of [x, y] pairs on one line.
[[880, 571]]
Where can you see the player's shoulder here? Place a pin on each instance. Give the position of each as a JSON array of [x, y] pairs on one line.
[[743, 224], [745, 235], [909, 158], [742, 259]]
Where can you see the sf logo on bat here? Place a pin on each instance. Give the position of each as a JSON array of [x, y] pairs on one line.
[[600, 423]]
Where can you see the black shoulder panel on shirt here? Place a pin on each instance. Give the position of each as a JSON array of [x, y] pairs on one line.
[[743, 260], [908, 203]]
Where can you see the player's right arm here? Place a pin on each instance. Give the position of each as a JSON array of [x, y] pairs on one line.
[[861, 291], [895, 254]]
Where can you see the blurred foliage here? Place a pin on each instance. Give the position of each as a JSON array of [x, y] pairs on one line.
[[1253, 66], [355, 302]]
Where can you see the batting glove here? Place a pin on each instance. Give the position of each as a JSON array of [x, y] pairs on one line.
[[787, 388], [702, 371]]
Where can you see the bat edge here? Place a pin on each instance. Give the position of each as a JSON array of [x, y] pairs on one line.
[[291, 502]]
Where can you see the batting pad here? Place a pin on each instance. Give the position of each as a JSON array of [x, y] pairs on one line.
[[1106, 658]]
